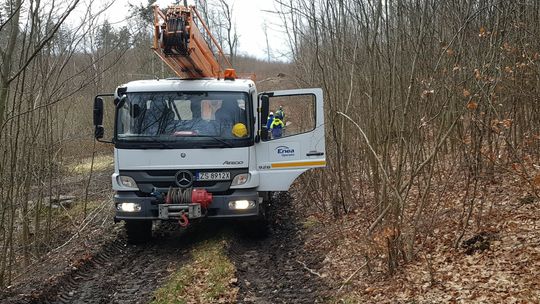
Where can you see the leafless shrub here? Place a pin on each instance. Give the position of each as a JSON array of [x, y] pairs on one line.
[[414, 89]]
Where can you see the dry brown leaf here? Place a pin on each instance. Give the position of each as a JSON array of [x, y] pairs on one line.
[[507, 123], [426, 93], [369, 290], [482, 32], [477, 74], [472, 105], [536, 180], [466, 93]]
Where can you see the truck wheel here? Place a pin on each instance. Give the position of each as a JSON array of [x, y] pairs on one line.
[[254, 228], [138, 232], [258, 227], [261, 227]]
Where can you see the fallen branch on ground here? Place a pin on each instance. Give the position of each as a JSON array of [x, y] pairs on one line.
[[351, 276], [309, 269]]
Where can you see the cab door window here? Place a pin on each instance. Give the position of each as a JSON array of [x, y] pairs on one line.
[[290, 115]]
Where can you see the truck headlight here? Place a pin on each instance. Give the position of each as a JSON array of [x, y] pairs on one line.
[[241, 205], [127, 182], [128, 207], [240, 179]]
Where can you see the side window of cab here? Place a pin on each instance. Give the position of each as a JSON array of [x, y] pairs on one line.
[[290, 115]]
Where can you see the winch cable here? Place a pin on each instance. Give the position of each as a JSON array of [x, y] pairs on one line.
[[179, 196], [182, 196]]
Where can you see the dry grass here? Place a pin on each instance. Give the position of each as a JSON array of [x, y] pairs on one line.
[[101, 162]]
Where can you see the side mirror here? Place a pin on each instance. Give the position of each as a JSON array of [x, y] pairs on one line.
[[98, 111], [265, 109], [98, 118]]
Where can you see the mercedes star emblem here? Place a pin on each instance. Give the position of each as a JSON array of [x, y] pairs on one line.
[[183, 155], [184, 179]]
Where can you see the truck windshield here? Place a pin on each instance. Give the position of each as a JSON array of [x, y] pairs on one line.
[[183, 116]]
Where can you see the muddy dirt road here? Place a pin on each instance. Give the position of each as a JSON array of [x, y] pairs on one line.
[[121, 273], [271, 269], [277, 268]]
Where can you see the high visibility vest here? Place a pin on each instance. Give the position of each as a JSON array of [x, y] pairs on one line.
[[277, 123]]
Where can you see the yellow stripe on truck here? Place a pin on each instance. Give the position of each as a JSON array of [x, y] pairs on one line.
[[299, 164]]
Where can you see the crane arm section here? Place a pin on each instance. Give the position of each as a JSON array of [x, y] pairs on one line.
[[181, 45]]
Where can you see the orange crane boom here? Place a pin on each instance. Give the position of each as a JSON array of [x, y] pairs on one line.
[[180, 44]]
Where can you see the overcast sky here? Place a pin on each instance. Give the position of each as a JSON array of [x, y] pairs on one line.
[[249, 16]]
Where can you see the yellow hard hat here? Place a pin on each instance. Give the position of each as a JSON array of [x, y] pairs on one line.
[[239, 130]]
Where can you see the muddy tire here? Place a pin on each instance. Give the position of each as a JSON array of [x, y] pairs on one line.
[[259, 227], [254, 228], [138, 232]]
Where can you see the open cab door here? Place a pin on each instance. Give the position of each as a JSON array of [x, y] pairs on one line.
[[292, 139]]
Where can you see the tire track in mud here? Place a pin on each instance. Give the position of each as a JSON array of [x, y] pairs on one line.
[[271, 269], [121, 273]]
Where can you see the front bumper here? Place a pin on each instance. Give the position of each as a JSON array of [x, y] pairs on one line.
[[219, 208]]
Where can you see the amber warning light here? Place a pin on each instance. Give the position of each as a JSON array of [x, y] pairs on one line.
[[230, 74]]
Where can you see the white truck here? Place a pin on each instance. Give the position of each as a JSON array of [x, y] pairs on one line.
[[187, 149]]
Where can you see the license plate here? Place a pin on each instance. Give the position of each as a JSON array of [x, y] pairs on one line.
[[210, 176]]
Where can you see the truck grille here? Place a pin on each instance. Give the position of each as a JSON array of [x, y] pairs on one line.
[[147, 180]]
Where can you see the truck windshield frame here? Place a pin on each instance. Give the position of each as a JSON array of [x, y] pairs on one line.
[[184, 120]]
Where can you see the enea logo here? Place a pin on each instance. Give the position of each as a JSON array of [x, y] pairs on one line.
[[284, 151]]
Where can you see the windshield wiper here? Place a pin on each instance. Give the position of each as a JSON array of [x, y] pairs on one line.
[[163, 144], [167, 145], [217, 139]]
